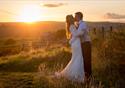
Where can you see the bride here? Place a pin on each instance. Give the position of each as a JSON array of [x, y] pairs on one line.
[[75, 68]]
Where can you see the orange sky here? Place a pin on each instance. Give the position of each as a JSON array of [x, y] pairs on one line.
[[56, 10]]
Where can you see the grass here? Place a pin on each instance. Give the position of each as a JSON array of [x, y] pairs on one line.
[[22, 70], [16, 80]]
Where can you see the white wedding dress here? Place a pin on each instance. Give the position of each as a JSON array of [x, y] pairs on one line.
[[75, 68]]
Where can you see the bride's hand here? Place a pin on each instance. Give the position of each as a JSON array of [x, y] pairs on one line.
[[70, 36]]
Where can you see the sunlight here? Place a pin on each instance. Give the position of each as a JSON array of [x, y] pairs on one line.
[[30, 13]]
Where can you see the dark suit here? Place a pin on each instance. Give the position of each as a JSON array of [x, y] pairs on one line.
[[86, 51]]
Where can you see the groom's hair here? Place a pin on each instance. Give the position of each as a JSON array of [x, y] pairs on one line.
[[79, 14]]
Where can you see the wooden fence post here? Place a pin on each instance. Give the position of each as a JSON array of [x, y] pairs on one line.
[[111, 30], [103, 32], [94, 30]]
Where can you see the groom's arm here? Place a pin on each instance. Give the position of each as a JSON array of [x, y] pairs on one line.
[[80, 31]]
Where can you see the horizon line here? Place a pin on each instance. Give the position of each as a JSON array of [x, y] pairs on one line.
[[55, 21]]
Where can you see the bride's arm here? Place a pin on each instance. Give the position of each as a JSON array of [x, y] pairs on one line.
[[80, 31], [73, 31]]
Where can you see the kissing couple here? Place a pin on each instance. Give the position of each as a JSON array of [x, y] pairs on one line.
[[79, 67]]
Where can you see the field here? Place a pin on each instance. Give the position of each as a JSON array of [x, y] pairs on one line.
[[33, 64]]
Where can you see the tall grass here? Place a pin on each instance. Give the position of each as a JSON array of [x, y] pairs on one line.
[[35, 69]]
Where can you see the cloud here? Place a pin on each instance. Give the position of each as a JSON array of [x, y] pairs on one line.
[[114, 16], [54, 5]]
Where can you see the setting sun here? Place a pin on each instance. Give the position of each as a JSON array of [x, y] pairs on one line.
[[30, 13]]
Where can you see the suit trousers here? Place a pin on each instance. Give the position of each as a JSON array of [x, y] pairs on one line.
[[86, 52]]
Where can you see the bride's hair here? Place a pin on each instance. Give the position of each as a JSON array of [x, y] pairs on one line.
[[69, 21]]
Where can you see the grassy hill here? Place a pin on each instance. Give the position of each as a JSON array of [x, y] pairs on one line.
[[33, 30], [34, 68]]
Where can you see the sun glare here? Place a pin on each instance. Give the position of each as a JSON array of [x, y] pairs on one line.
[[30, 13]]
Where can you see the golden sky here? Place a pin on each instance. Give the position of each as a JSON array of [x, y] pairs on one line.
[[56, 10]]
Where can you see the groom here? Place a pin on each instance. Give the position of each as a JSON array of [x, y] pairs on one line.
[[83, 33]]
